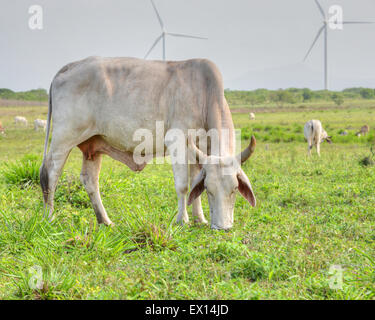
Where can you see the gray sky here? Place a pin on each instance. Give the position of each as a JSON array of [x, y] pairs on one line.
[[255, 43]]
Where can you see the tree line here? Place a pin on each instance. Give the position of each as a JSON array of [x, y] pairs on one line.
[[31, 95], [236, 97], [295, 95]]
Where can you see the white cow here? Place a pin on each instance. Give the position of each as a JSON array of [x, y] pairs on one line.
[[39, 123], [315, 135], [21, 120], [251, 116], [98, 104]]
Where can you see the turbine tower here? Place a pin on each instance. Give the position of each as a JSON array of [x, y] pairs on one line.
[[324, 28], [164, 33]]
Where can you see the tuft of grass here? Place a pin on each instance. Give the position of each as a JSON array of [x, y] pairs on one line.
[[23, 172], [225, 251], [150, 233], [367, 162], [259, 266], [154, 236]]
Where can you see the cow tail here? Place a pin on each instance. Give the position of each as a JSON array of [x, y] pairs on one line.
[[43, 172], [48, 123]]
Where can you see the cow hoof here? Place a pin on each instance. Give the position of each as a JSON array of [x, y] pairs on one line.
[[109, 223], [182, 222], [200, 221]]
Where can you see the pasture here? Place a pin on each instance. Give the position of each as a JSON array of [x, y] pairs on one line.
[[311, 214]]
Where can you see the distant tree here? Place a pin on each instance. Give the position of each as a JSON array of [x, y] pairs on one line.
[[367, 93], [306, 95], [281, 96], [337, 99], [7, 94]]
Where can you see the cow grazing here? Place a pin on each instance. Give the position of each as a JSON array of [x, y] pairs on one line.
[[98, 104], [21, 120], [251, 116], [364, 130], [39, 123], [315, 135]]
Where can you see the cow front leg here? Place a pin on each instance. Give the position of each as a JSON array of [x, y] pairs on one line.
[[180, 172], [90, 179], [318, 149], [197, 205]]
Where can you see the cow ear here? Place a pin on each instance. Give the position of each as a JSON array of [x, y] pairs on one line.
[[244, 187], [197, 186]]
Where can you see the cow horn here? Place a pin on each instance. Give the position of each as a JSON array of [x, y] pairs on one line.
[[199, 155], [244, 155]]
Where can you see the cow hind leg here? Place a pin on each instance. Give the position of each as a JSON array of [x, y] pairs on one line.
[[49, 174], [310, 146], [90, 179]]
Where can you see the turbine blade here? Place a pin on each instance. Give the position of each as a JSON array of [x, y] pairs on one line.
[[153, 46], [157, 14], [358, 22], [320, 8], [315, 40], [185, 36]]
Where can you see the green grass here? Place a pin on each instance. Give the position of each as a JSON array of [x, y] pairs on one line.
[[22, 172], [310, 214]]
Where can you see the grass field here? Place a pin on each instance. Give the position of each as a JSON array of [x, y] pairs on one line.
[[312, 214]]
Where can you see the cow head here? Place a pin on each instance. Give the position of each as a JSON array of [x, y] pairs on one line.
[[222, 177], [326, 137]]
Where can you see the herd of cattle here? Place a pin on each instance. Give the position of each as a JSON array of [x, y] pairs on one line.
[[22, 121]]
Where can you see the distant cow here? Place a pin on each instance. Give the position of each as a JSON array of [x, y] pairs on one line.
[[364, 130], [2, 131], [39, 123], [251, 116], [315, 135], [21, 120]]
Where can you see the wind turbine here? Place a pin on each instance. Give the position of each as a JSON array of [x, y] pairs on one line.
[[164, 33], [324, 27]]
